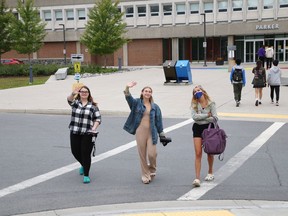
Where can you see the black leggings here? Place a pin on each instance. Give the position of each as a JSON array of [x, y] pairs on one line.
[[277, 91], [81, 147]]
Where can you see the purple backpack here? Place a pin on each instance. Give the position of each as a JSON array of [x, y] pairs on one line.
[[214, 140]]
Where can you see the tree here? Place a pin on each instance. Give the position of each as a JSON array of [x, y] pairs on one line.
[[6, 18], [28, 31], [105, 29]]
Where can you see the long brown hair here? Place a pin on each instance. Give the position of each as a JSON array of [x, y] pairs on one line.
[[90, 98], [151, 98], [194, 101]]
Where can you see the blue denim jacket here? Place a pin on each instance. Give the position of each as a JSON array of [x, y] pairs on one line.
[[137, 109]]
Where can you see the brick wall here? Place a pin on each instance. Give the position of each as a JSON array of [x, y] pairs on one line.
[[145, 52], [55, 50]]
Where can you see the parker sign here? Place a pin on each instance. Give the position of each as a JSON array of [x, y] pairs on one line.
[[267, 27]]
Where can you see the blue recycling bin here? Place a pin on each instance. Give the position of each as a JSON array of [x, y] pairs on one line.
[[183, 71]]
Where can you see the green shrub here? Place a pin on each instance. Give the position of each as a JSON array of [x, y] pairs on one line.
[[23, 70], [48, 70]]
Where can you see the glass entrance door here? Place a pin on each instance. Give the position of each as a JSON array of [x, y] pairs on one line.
[[280, 51], [251, 49]]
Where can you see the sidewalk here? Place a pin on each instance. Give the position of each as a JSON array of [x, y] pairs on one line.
[[178, 208], [174, 101]]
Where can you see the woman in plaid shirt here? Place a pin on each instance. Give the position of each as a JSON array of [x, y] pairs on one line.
[[85, 118]]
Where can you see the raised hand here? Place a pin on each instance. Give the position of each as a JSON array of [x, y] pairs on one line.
[[131, 84]]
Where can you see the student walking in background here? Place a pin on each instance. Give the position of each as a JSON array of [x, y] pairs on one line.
[[85, 119], [261, 54], [144, 120], [274, 81], [203, 112], [238, 80], [269, 56], [259, 81]]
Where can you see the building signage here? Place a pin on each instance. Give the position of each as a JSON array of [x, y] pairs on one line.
[[267, 27]]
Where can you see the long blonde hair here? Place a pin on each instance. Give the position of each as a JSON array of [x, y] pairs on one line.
[[194, 101]]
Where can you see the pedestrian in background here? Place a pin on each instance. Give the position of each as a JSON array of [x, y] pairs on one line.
[[269, 56], [85, 119], [203, 112], [238, 80], [261, 54], [144, 120], [274, 81], [259, 81]]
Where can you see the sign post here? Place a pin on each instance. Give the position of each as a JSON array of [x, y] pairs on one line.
[[76, 59]]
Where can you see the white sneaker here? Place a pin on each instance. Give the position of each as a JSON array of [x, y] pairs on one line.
[[209, 177], [196, 183]]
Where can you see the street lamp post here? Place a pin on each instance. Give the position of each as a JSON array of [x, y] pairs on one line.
[[205, 41], [64, 41]]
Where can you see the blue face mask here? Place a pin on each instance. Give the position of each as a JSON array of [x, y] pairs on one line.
[[198, 94]]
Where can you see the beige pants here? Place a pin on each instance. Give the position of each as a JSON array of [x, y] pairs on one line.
[[147, 152]]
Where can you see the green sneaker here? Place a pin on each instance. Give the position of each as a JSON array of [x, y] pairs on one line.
[[81, 170], [86, 180]]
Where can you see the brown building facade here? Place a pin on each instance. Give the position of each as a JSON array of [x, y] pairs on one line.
[[170, 29]]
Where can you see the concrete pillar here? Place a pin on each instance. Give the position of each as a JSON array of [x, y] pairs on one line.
[[125, 55], [78, 47], [175, 49], [231, 61]]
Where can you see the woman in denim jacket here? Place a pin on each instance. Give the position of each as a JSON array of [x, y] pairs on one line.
[[144, 120]]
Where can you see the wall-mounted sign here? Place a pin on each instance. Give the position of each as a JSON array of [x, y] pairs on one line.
[[77, 57], [267, 27]]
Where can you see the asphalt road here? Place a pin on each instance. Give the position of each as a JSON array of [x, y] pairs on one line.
[[38, 171]]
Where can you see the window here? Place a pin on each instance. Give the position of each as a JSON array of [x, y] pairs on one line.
[[180, 8], [252, 4], [237, 5], [222, 6], [69, 14], [141, 11], [194, 8], [47, 15], [81, 14], [167, 9], [268, 4], [154, 9], [129, 11], [283, 3], [58, 15], [208, 7]]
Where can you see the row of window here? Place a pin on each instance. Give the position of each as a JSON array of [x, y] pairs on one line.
[[194, 7], [69, 13], [167, 9]]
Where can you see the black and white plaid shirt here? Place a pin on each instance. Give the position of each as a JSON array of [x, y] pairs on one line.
[[83, 117]]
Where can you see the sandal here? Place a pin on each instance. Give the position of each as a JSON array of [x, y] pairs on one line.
[[196, 183], [146, 181], [209, 177]]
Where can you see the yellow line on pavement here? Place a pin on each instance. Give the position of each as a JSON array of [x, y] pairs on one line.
[[194, 213], [253, 115]]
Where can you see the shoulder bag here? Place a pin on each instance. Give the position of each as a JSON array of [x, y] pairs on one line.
[[214, 140]]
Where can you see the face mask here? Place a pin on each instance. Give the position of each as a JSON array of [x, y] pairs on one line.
[[198, 94]]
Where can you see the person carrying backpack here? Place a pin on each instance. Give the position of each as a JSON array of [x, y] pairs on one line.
[[238, 80]]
